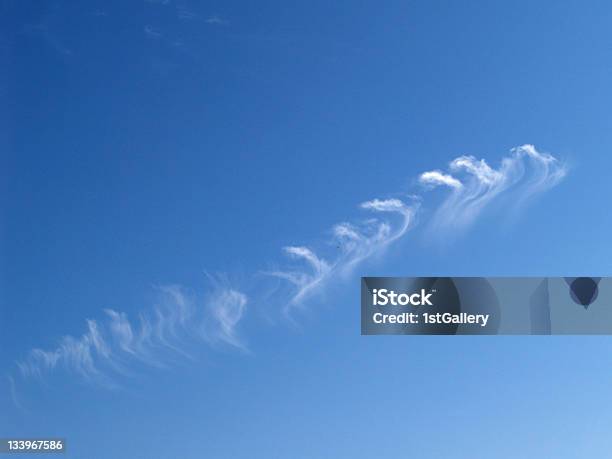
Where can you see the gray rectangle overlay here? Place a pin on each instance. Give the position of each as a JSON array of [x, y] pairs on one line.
[[486, 305]]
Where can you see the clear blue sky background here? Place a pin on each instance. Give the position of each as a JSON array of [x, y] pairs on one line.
[[139, 148]]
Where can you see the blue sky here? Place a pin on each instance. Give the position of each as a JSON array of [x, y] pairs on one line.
[[155, 146]]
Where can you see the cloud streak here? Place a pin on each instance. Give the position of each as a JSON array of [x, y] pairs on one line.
[[177, 320], [355, 243], [437, 178], [153, 339], [74, 354], [473, 185], [523, 174], [226, 308]]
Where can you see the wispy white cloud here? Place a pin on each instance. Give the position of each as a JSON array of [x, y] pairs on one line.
[[121, 329], [524, 173], [354, 243], [74, 354], [473, 184], [163, 330], [548, 171], [304, 281], [226, 308], [13, 392], [437, 178], [178, 318]]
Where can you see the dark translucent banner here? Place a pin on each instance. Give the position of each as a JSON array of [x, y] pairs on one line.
[[486, 305]]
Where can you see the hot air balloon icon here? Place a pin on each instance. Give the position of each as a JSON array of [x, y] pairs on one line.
[[583, 290]]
